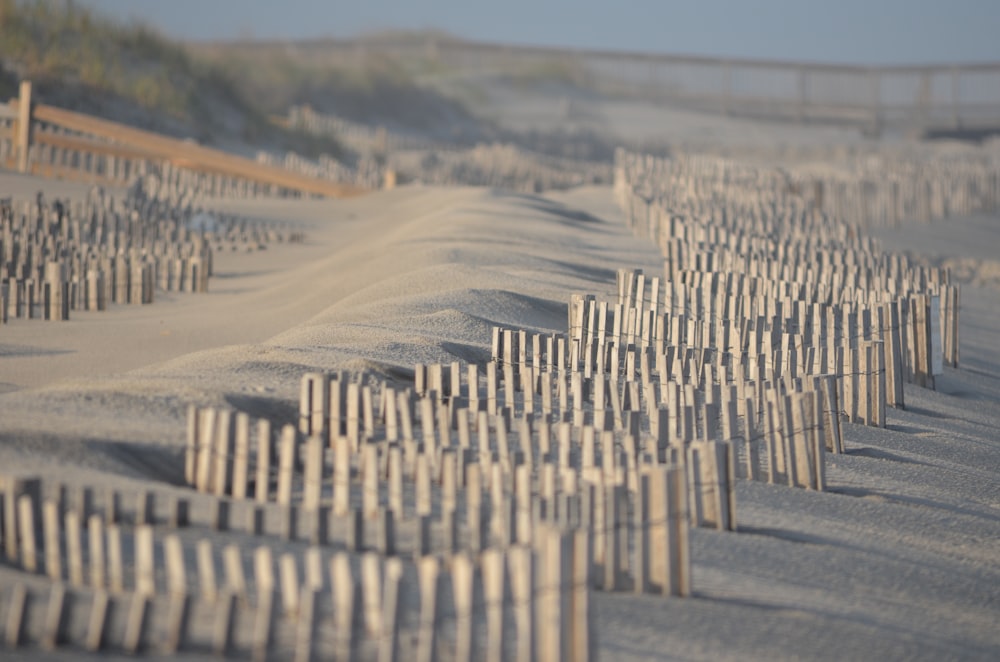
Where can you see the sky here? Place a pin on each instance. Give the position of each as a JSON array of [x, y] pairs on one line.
[[841, 31]]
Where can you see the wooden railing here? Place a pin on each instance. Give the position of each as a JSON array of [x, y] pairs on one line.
[[50, 141]]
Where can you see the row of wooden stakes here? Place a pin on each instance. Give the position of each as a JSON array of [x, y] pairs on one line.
[[366, 607], [913, 310], [86, 254], [494, 500]]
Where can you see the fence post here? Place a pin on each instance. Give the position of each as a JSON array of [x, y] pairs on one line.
[[23, 126]]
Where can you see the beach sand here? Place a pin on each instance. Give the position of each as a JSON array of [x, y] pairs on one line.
[[899, 559]]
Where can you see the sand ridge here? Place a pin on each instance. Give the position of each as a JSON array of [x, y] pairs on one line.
[[416, 276]]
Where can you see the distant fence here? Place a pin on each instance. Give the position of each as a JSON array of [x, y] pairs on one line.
[[916, 98], [54, 142]]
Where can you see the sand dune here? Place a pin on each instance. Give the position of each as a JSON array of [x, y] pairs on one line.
[[899, 559], [382, 283]]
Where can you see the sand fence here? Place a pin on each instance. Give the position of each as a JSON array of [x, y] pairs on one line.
[[474, 510], [54, 142], [62, 256]]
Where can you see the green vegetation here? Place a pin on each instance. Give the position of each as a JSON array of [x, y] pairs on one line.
[[52, 42], [364, 85], [130, 73], [223, 94]]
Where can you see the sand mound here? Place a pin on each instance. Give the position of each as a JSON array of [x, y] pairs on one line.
[[417, 275]]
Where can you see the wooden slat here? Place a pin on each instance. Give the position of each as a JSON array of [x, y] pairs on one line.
[[192, 155], [92, 146]]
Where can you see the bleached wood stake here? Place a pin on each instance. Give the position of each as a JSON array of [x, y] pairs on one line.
[[396, 481], [289, 585], [145, 570], [286, 464], [206, 437], [370, 481], [677, 512], [462, 577], [352, 417], [178, 610], [55, 613], [643, 544], [50, 529], [241, 456], [305, 635], [263, 625], [173, 553], [313, 574], [17, 608], [94, 638], [880, 383], [346, 606], [831, 419], [582, 636], [263, 475], [95, 537], [191, 449], [263, 571], [223, 629], [342, 477], [235, 578], [116, 566], [26, 525], [338, 408], [135, 626], [389, 632], [368, 412], [313, 471], [74, 549], [449, 480], [553, 603], [800, 461], [428, 571], [423, 485], [223, 459], [206, 571], [405, 410], [615, 560], [371, 593], [522, 585], [492, 563], [818, 444]]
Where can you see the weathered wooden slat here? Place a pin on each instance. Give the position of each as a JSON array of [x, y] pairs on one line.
[[189, 155]]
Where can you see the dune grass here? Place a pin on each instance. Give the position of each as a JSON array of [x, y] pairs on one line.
[[130, 73]]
